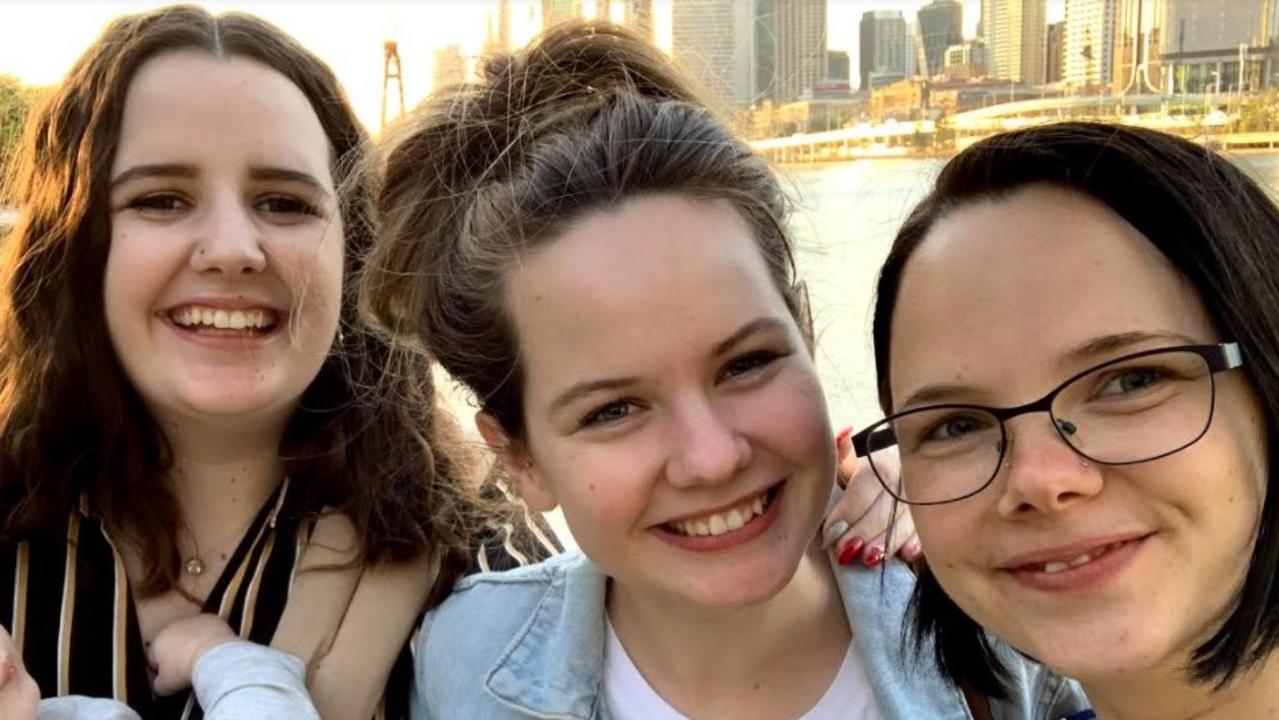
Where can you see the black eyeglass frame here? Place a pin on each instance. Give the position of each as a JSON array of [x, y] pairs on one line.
[[1219, 357]]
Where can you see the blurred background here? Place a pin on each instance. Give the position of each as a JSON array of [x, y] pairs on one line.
[[858, 101]]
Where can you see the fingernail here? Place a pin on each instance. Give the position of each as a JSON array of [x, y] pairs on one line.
[[912, 552], [843, 436], [849, 553], [833, 533], [874, 555]]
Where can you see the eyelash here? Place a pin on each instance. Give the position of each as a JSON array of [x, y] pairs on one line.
[[168, 202], [755, 360]]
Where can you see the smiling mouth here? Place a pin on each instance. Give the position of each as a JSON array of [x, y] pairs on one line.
[[1054, 567], [724, 521], [221, 322]]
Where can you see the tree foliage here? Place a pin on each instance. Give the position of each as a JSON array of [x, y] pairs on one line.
[[16, 102]]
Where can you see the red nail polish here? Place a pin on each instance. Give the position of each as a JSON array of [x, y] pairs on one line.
[[849, 553], [913, 552], [873, 556], [843, 435]]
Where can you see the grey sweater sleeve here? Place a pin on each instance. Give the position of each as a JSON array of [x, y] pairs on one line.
[[246, 681], [233, 681]]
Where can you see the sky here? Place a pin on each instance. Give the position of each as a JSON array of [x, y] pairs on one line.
[[39, 40]]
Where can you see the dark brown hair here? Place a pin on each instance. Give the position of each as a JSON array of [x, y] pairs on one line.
[[585, 119], [1221, 231], [70, 421]]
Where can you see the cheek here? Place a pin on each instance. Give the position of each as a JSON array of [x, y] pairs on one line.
[[603, 490], [792, 415], [950, 535]]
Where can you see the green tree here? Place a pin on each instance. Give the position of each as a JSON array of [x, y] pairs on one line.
[[16, 102]]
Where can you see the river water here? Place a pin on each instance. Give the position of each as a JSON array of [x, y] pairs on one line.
[[847, 216]]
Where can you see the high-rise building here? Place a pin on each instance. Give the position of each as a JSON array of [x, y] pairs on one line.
[[837, 66], [450, 67], [800, 44], [884, 49], [554, 11], [1088, 48], [712, 41], [1015, 32], [635, 14], [1055, 54], [965, 61], [764, 52], [1137, 65], [941, 24], [1218, 45], [497, 37]]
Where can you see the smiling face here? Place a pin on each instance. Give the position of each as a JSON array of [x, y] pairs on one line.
[[224, 275], [1098, 571], [671, 405]]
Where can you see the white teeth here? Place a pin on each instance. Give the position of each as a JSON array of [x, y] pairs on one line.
[[1051, 568], [735, 519], [721, 522], [224, 319]]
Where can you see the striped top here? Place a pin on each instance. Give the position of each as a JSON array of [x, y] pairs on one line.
[[68, 605]]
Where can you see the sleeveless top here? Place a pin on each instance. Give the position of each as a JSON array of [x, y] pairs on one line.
[[67, 604]]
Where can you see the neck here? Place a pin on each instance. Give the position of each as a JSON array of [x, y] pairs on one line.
[[784, 651], [221, 476], [1167, 694]]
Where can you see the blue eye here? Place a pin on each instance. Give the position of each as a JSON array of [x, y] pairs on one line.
[[1132, 381], [955, 428], [611, 412]]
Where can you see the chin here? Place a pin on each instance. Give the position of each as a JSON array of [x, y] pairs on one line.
[[1094, 655], [758, 583]]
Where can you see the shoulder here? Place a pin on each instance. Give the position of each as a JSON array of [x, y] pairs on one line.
[[487, 609], [1034, 691], [464, 640]]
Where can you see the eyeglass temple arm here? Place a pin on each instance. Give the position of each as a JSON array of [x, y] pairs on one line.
[[883, 438]]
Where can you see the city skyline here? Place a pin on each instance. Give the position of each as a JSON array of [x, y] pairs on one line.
[[40, 40]]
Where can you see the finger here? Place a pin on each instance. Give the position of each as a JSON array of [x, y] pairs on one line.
[[857, 499], [833, 532], [912, 551], [848, 461]]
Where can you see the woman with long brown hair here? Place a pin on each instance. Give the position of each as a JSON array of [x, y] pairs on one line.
[[190, 410]]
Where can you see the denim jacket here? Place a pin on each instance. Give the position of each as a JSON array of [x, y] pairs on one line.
[[529, 643]]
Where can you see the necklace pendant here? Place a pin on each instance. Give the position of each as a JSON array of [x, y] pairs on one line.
[[194, 566]]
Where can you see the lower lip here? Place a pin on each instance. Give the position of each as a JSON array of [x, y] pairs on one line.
[[1089, 576], [733, 538], [231, 340]]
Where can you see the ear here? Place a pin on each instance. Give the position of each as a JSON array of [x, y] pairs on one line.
[[514, 456]]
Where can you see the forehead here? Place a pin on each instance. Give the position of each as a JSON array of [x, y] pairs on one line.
[[658, 276], [187, 106], [1001, 290]]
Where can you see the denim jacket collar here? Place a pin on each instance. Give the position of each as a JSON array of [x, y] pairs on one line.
[[553, 668]]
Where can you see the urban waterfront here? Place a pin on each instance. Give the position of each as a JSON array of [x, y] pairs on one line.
[[847, 218]]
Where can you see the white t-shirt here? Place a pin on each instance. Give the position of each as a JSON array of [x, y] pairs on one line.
[[630, 697]]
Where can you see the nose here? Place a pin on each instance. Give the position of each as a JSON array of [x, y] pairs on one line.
[[228, 241], [706, 448], [1041, 473]]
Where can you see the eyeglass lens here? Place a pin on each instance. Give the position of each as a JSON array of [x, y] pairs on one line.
[[1128, 412]]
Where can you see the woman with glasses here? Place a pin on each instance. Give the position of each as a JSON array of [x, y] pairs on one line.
[[1088, 461]]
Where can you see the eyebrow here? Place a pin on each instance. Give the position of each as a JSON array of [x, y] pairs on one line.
[[188, 172], [585, 388], [753, 327], [156, 170], [1089, 350]]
